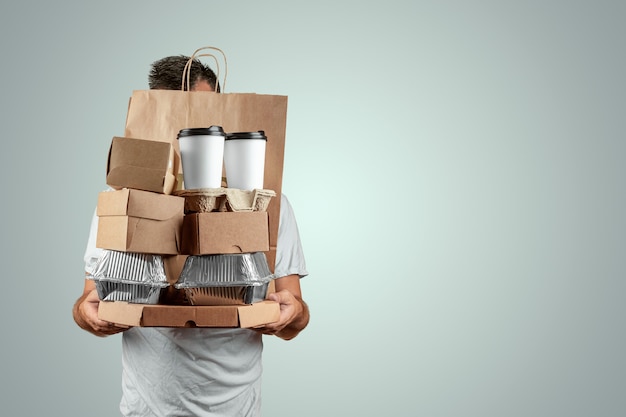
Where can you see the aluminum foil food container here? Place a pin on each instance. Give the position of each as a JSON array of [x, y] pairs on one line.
[[225, 270], [225, 279], [129, 267], [148, 293], [129, 276]]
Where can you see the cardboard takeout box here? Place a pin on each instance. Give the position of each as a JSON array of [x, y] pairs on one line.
[[225, 232], [139, 221], [148, 315], [143, 165]]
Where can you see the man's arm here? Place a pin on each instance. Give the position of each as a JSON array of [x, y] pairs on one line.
[[294, 312], [85, 313]]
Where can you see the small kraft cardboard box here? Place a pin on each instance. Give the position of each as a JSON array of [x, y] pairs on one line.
[[225, 232], [132, 220], [143, 165], [149, 315]]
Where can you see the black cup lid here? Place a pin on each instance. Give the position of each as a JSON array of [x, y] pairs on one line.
[[201, 131], [260, 134]]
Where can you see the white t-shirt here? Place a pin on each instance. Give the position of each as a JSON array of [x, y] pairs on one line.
[[195, 371]]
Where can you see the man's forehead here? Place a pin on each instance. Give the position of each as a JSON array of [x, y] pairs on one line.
[[202, 85]]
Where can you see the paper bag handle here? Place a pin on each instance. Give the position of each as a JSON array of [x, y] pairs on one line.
[[187, 69]]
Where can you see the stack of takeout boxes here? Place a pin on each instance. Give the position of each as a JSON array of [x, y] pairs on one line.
[[179, 258]]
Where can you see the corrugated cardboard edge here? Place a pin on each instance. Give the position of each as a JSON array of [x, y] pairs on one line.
[[149, 315]]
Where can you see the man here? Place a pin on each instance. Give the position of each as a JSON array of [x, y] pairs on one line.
[[199, 371]]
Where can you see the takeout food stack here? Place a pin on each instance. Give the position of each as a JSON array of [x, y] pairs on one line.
[[225, 234], [139, 221], [161, 241], [160, 116], [225, 230]]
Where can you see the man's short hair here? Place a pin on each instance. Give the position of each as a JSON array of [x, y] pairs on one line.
[[167, 73]]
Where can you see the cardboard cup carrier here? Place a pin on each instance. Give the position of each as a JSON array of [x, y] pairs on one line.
[[202, 155]]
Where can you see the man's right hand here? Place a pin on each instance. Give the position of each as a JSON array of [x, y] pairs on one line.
[[85, 313]]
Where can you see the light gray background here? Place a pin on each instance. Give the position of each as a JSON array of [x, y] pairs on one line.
[[457, 170]]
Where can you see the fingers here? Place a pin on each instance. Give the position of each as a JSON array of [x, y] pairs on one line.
[[92, 297], [105, 328], [273, 297], [112, 328], [265, 330], [269, 329], [284, 298], [90, 313]]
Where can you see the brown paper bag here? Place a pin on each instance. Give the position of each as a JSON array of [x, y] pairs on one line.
[[161, 114]]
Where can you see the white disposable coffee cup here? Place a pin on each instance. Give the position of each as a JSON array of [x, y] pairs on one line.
[[244, 159], [202, 155]]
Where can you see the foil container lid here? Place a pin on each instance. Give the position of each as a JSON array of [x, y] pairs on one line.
[[129, 267], [248, 269]]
